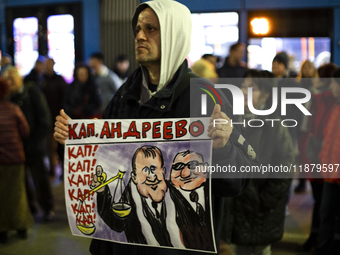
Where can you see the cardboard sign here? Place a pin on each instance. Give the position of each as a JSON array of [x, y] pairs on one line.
[[140, 182]]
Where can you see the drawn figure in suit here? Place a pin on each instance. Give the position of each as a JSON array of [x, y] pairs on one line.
[[189, 190], [147, 221]]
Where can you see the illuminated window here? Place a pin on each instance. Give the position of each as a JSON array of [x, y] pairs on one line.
[[60, 31], [261, 51], [25, 35], [213, 33]]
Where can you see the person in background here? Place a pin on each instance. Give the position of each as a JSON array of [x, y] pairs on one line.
[[308, 71], [83, 97], [280, 71], [305, 78], [280, 65], [328, 243], [206, 67], [104, 77], [54, 87], [233, 66], [37, 73], [6, 61], [34, 106], [120, 68], [15, 213], [322, 104], [256, 217]]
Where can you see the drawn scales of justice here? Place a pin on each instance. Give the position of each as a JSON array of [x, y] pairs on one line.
[[121, 209]]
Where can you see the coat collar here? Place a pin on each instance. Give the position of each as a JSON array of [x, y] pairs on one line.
[[133, 87]]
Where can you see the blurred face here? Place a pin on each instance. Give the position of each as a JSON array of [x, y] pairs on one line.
[[187, 172], [82, 74], [238, 53], [148, 39], [123, 66], [335, 88], [212, 60], [308, 70], [258, 96], [5, 61], [40, 67], [149, 177], [278, 69], [14, 80], [49, 66], [95, 64]]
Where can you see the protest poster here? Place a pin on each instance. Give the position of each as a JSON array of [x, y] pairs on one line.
[[140, 182]]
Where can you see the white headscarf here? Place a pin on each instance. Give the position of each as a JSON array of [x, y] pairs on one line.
[[175, 25]]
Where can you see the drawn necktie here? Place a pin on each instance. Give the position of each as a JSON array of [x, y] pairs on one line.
[[154, 205], [199, 208]]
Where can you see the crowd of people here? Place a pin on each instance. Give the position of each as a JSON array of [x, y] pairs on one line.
[[29, 107], [249, 214], [307, 146]]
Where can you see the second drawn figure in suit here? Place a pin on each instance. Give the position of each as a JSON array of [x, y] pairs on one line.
[[189, 189]]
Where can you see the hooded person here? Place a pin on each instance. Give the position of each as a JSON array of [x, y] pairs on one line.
[[159, 88], [176, 46]]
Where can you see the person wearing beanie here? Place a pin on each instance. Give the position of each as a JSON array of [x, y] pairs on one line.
[[280, 65]]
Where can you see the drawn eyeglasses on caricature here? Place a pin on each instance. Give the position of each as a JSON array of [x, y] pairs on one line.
[[191, 165]]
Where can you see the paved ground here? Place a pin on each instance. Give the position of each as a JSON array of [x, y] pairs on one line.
[[54, 238]]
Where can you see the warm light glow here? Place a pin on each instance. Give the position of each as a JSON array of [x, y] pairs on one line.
[[260, 26], [303, 48], [311, 44]]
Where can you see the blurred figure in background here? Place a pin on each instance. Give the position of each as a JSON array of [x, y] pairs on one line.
[[121, 67], [305, 78], [83, 96], [280, 71], [104, 78], [37, 73], [6, 61], [14, 213], [328, 239], [53, 86], [233, 66], [308, 71], [322, 104], [280, 65], [34, 106], [256, 217], [206, 66]]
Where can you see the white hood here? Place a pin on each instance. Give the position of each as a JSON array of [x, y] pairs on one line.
[[175, 25]]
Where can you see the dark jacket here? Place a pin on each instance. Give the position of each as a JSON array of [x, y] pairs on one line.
[[34, 106], [292, 111], [13, 129], [256, 217], [83, 101], [125, 105], [228, 71], [195, 230], [131, 224], [54, 88], [34, 77]]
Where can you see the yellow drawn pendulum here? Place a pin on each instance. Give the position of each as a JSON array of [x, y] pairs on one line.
[[120, 209]]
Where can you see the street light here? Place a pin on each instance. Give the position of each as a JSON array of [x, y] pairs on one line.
[[260, 26]]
